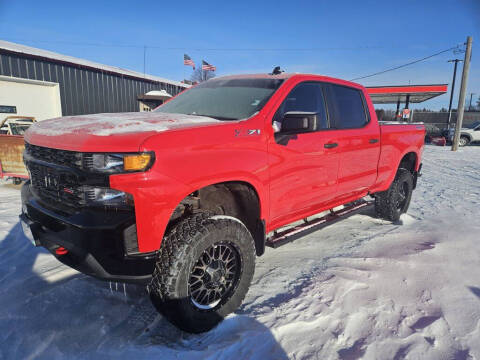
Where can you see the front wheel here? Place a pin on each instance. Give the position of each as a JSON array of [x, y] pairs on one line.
[[395, 201], [203, 272], [464, 140]]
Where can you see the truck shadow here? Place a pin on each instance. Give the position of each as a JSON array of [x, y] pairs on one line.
[[48, 310]]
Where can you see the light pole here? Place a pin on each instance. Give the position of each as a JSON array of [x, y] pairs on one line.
[[456, 61], [470, 106]]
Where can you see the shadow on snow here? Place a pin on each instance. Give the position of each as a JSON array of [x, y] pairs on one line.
[[46, 314]]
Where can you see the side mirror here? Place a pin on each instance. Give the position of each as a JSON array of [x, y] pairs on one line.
[[295, 122]]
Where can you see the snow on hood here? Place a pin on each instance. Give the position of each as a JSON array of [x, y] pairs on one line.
[[117, 123]]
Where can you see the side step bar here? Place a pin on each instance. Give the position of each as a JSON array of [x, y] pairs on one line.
[[296, 232]]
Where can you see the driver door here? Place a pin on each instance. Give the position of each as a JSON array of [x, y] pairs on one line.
[[303, 166]]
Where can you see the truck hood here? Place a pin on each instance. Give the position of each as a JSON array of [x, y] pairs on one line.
[[122, 132]]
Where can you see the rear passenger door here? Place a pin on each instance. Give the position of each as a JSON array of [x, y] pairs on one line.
[[303, 170], [358, 140]]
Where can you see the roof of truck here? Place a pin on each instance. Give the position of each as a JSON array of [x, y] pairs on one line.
[[257, 76], [285, 75]]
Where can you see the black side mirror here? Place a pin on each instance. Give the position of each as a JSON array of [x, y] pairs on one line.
[[295, 122]]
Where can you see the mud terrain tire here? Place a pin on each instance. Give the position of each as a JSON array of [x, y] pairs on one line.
[[191, 254], [394, 202]]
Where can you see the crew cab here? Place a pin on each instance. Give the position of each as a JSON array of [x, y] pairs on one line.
[[184, 198]]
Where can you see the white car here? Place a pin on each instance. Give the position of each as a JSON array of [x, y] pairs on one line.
[[467, 135]]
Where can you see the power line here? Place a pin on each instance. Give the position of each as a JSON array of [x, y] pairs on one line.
[[407, 64], [75, 43]]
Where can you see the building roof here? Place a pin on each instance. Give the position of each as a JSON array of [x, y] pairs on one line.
[[55, 57], [418, 93]]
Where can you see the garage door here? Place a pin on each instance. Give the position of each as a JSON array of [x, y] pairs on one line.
[[25, 97]]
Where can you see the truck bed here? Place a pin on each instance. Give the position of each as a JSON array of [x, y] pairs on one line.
[[397, 138]]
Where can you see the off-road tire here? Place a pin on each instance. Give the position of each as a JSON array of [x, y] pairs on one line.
[[180, 252], [387, 204], [464, 141]]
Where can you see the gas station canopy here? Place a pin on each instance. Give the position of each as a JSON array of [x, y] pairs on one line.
[[405, 94]]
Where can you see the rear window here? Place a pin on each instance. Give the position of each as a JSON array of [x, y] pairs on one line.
[[347, 108]]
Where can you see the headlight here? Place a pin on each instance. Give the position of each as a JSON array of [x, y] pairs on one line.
[[106, 196], [118, 163]]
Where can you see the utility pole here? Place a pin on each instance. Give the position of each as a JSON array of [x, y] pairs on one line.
[[456, 61], [470, 106], [461, 98], [144, 58]]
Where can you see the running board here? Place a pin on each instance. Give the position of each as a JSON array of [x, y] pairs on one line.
[[284, 237]]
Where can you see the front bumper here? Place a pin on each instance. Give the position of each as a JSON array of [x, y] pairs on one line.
[[94, 239]]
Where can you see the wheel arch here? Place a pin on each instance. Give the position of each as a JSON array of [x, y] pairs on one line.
[[409, 161], [237, 198]]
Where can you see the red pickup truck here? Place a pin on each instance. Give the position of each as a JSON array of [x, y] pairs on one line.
[[183, 198]]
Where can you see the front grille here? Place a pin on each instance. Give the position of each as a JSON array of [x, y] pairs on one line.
[[55, 156], [56, 186], [58, 176]]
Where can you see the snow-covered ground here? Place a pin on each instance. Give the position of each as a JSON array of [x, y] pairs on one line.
[[362, 288]]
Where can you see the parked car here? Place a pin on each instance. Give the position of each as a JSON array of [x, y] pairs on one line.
[[184, 198], [468, 134]]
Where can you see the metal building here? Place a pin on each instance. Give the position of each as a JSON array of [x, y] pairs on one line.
[[35, 78]]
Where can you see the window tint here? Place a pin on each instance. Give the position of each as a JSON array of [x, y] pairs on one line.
[[306, 97], [347, 107]]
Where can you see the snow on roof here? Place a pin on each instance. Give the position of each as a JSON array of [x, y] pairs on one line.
[[27, 50], [158, 93]]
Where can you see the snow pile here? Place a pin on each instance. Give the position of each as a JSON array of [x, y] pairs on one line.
[[117, 123], [361, 288]]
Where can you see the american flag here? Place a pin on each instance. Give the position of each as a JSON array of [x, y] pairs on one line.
[[206, 66], [187, 60]]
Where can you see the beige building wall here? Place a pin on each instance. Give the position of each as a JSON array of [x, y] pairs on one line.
[[40, 99]]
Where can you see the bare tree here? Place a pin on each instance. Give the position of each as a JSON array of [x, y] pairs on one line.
[[200, 75]]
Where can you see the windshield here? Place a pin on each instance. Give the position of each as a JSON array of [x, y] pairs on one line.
[[474, 125], [224, 99], [19, 129]]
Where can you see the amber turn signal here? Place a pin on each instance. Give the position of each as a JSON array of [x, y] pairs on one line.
[[136, 162]]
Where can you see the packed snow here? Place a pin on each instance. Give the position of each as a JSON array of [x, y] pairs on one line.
[[117, 123], [361, 288]]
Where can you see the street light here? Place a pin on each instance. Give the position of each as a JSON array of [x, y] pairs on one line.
[[456, 61]]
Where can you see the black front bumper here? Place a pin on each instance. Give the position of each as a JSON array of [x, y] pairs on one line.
[[94, 239]]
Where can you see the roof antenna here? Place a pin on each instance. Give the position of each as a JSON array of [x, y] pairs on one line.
[[276, 71]]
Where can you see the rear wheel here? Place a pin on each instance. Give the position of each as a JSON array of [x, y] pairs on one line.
[[203, 271], [395, 201]]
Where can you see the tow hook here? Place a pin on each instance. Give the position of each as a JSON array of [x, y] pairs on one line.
[[61, 251]]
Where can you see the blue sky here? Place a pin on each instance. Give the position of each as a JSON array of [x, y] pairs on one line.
[[349, 38]]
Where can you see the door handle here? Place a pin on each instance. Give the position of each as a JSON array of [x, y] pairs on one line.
[[373, 141], [330, 145]]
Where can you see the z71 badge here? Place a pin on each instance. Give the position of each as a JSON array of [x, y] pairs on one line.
[[247, 132]]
